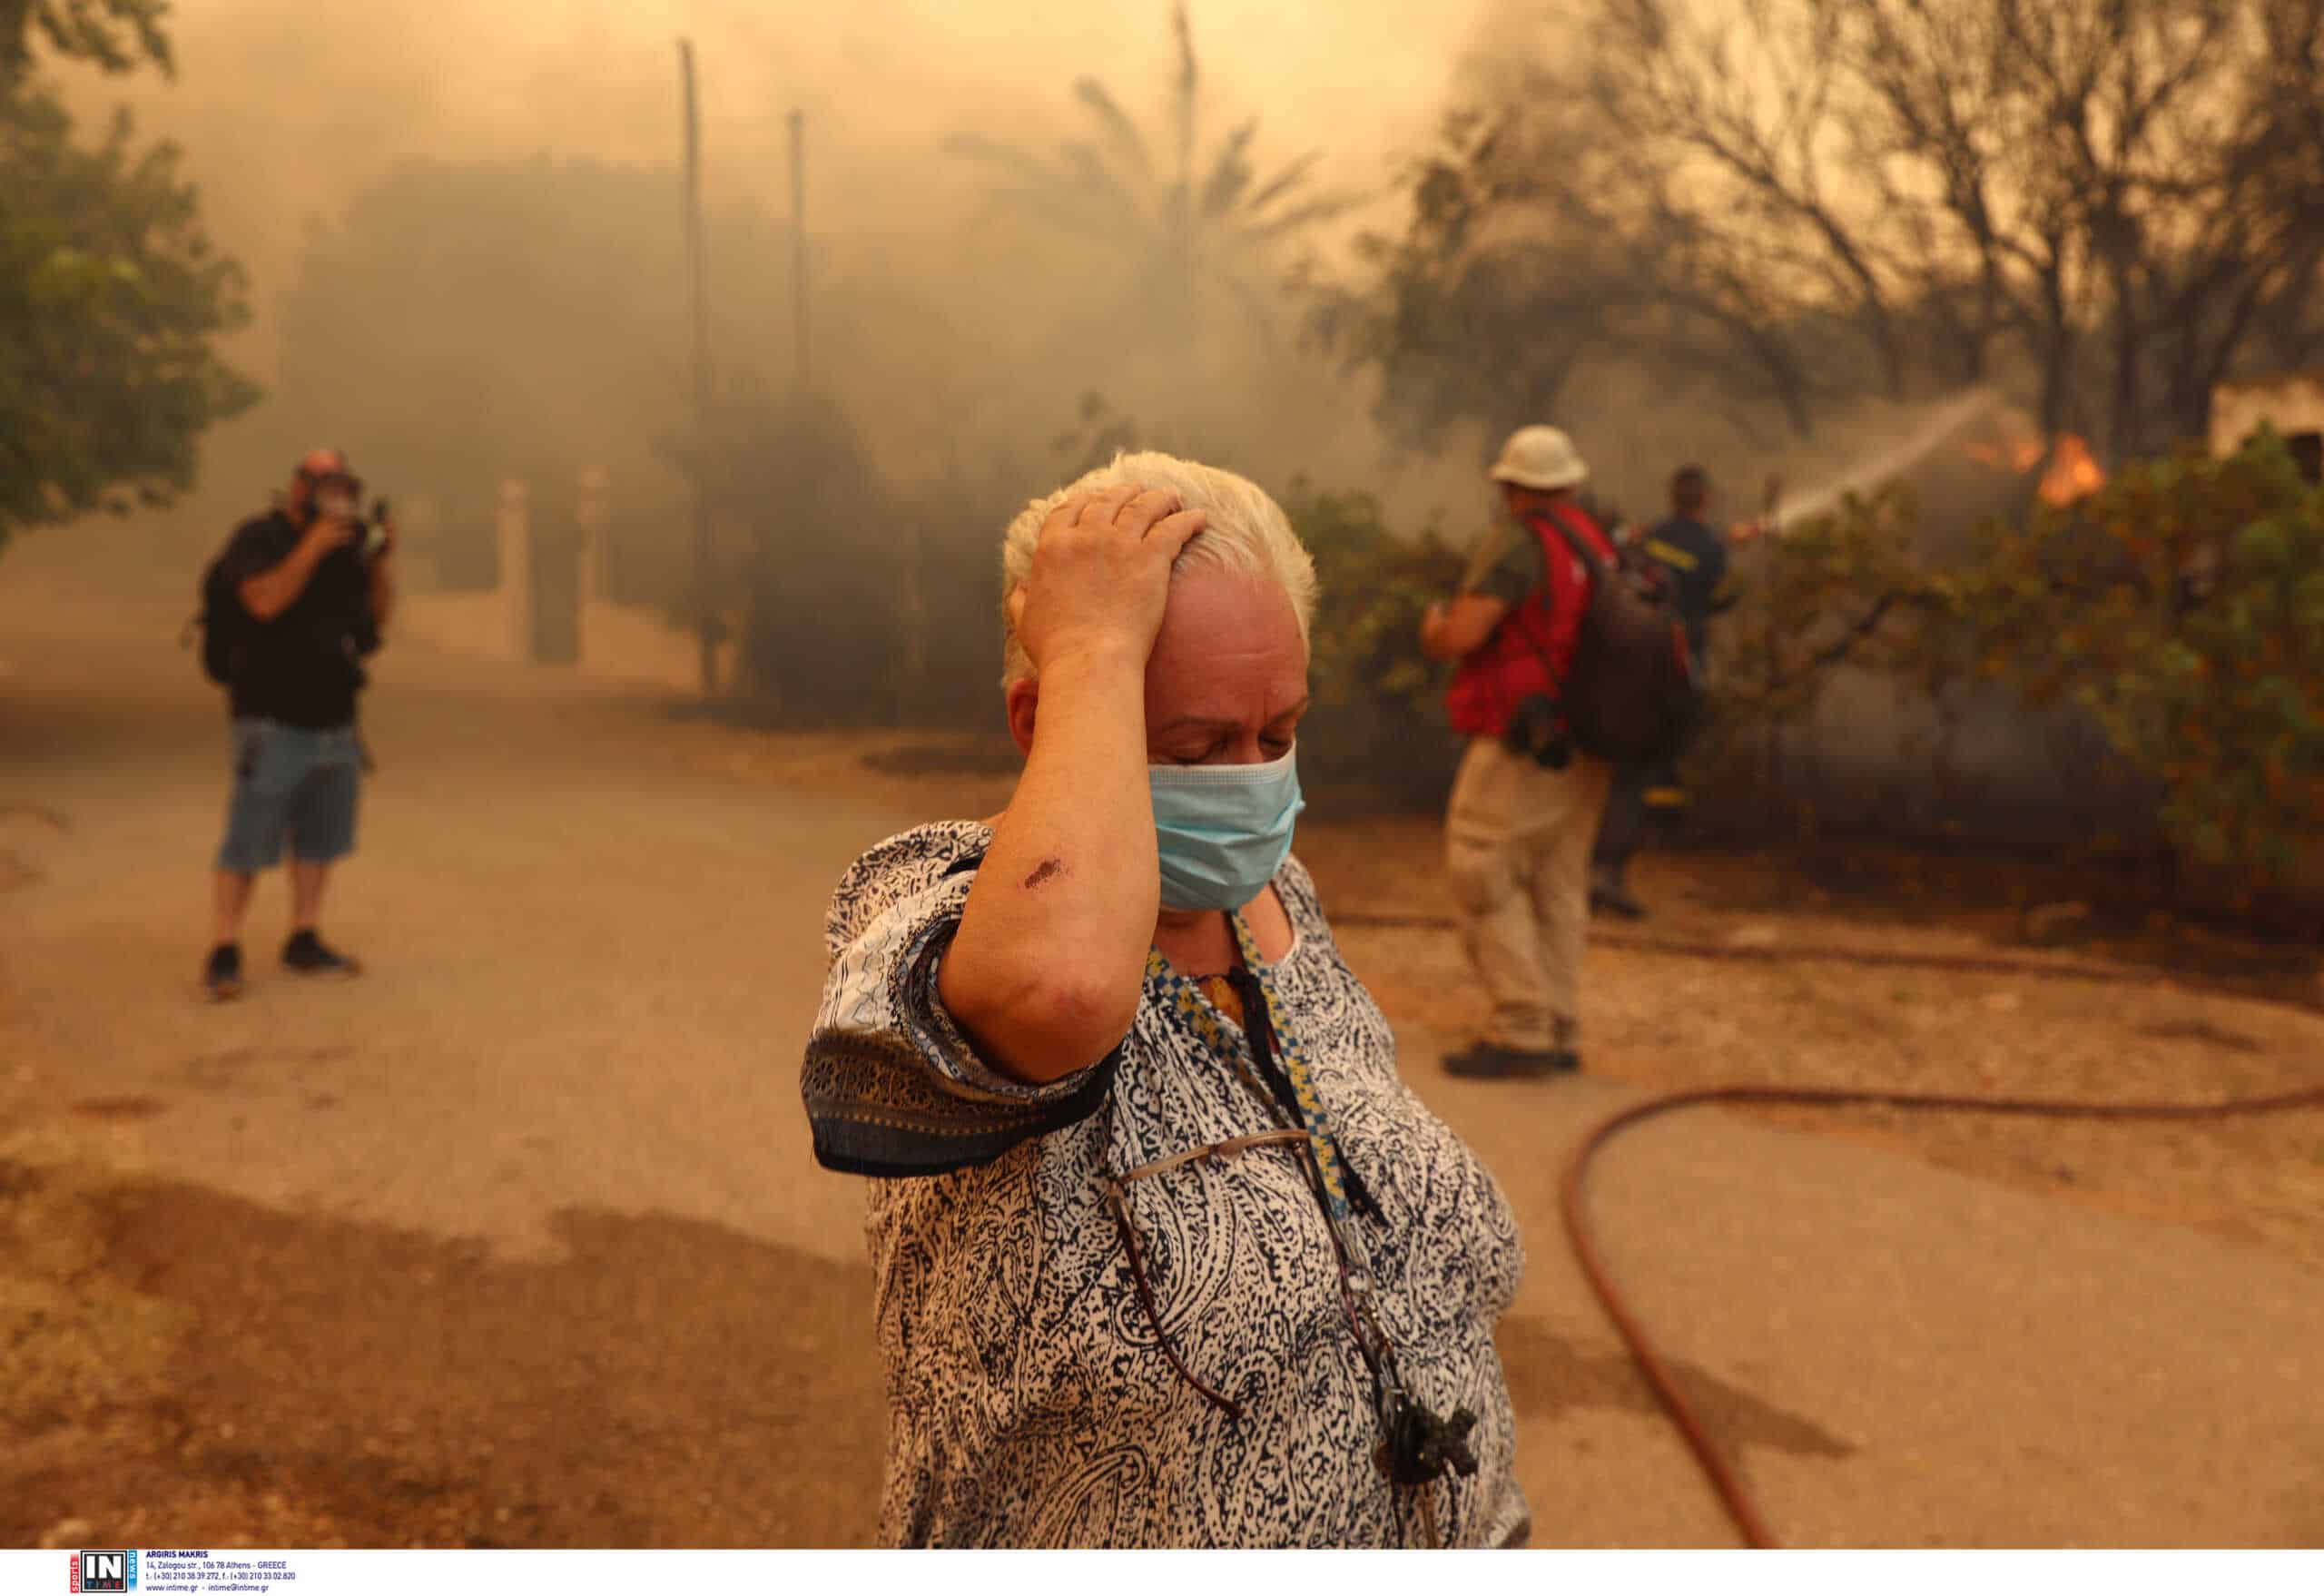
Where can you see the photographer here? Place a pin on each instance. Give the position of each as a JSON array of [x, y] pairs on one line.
[[295, 603], [1525, 806]]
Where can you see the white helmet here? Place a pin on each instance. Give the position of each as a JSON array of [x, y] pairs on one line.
[[1541, 458]]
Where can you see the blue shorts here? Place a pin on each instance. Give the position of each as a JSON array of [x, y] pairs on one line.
[[294, 782]]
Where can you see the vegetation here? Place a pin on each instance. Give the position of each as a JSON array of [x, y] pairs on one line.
[[1781, 210], [546, 298], [2104, 245], [1185, 227], [111, 293], [2181, 608], [1378, 716], [2176, 614], [1786, 206]]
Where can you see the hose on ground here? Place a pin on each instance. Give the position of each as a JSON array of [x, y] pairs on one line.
[[1572, 1190], [1722, 1477]]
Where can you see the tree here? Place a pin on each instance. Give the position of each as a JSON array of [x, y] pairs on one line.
[[2105, 207], [110, 293], [1535, 253], [2181, 608], [2118, 200], [1181, 227], [464, 323], [113, 35], [2160, 639], [820, 625]]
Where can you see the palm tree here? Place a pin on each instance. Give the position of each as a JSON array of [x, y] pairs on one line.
[[1177, 232]]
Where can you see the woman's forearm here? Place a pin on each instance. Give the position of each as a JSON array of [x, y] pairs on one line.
[[1049, 964]]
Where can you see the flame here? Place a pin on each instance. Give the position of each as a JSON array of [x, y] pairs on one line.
[[2074, 472], [2020, 455]]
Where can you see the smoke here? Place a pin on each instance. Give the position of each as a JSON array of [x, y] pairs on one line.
[[958, 335], [940, 324]]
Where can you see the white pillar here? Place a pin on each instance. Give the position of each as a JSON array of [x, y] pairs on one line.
[[913, 603], [513, 523], [592, 514]]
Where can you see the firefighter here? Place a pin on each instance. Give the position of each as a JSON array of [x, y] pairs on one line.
[[1695, 553]]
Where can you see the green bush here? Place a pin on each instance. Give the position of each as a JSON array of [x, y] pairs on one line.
[[2179, 609], [1841, 588], [1378, 719], [2182, 606]]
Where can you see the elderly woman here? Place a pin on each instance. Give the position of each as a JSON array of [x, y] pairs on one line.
[[1167, 1253]]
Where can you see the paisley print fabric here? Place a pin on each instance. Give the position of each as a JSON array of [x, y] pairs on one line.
[[1031, 1402]]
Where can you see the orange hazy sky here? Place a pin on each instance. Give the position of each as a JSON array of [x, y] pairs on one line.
[[282, 106]]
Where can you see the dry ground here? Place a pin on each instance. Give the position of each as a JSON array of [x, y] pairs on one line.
[[2186, 1034], [515, 1242]]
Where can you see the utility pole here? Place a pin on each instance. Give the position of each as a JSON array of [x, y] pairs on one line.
[[913, 606], [799, 246], [705, 606]]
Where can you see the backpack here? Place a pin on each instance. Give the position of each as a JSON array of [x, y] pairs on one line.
[[1631, 690], [225, 625]]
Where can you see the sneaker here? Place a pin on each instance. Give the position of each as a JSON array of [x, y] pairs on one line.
[[309, 954], [1489, 1060], [222, 978]]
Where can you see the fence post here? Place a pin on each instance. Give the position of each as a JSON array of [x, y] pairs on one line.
[[590, 520], [705, 592], [912, 608], [513, 529]]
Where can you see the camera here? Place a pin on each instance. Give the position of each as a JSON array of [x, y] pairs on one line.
[[1538, 731], [374, 532], [371, 532], [1420, 1447]]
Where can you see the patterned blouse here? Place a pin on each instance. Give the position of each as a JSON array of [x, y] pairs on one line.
[[1030, 1401]]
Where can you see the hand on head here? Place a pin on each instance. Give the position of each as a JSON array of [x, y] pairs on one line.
[[1101, 575]]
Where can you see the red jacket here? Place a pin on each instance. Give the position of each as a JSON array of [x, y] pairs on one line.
[[1532, 648]]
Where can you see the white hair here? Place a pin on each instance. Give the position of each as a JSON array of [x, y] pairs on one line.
[[1243, 530]]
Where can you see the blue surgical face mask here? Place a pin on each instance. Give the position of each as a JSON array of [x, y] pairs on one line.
[[1223, 829]]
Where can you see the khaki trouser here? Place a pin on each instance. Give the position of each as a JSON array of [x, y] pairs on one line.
[[1516, 840]]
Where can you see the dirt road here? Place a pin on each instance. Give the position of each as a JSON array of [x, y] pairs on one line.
[[517, 1240]]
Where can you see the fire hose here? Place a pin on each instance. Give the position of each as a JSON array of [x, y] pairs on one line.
[[1573, 1207]]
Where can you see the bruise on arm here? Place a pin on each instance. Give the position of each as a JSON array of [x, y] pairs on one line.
[[1047, 871]]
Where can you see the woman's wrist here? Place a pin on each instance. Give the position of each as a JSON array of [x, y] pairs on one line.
[[1093, 699], [1094, 660]]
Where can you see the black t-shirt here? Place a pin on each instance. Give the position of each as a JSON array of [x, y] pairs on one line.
[[303, 667]]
